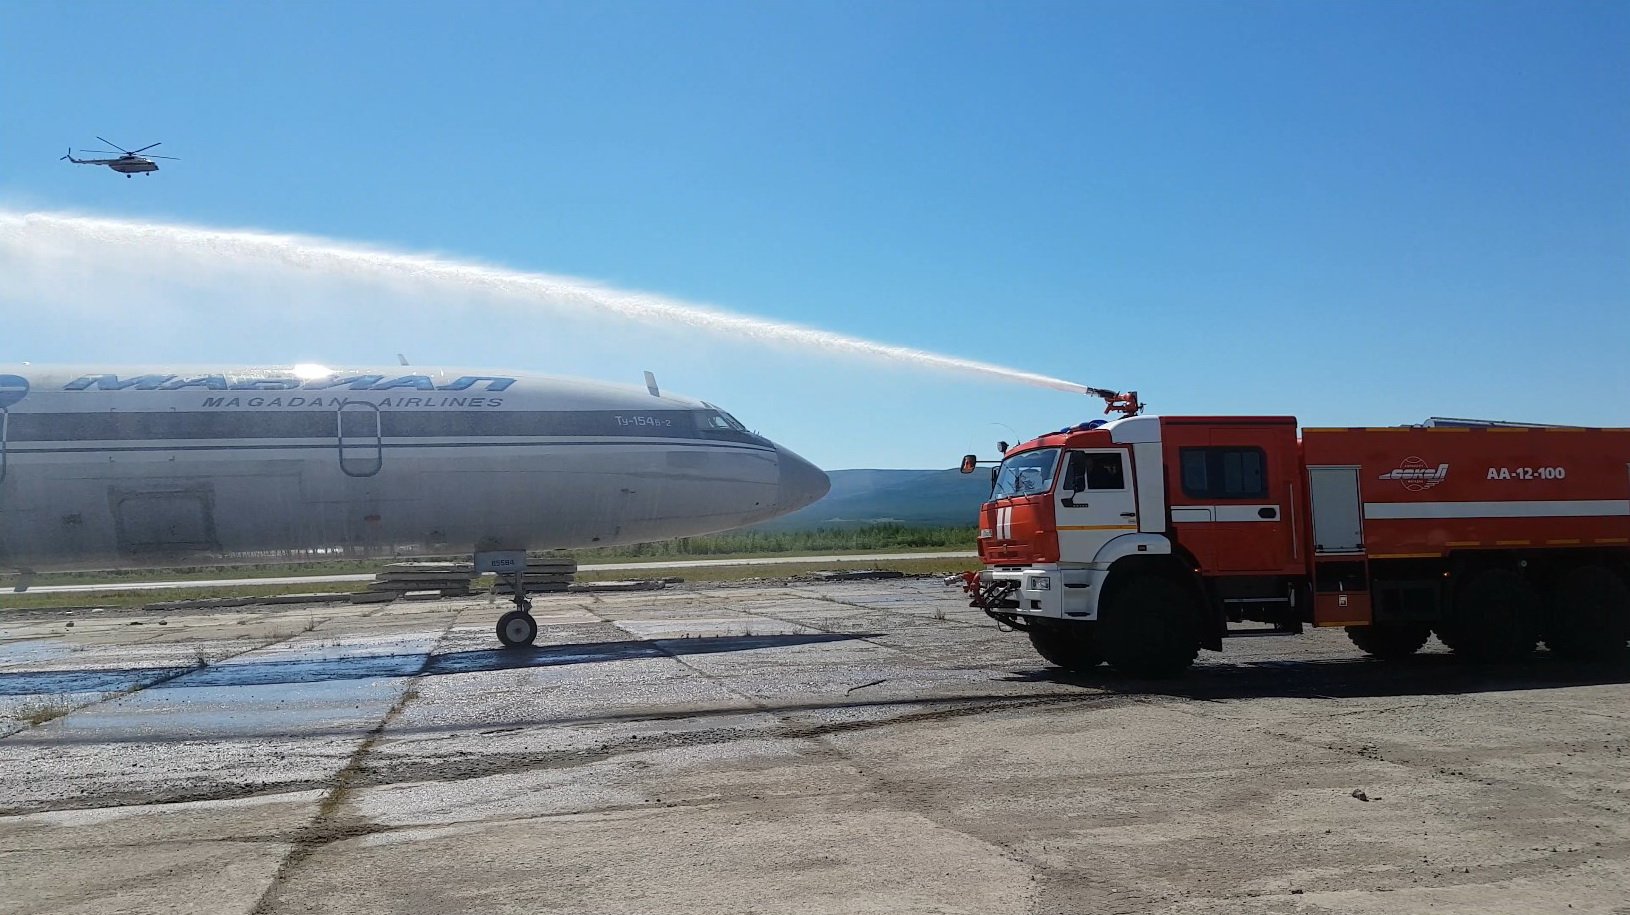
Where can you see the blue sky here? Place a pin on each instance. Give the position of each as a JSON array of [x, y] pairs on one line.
[[1353, 213]]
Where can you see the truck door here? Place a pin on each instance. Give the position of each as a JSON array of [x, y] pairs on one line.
[[1247, 476], [361, 443], [1095, 502]]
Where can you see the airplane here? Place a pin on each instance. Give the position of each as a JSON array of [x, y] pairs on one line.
[[117, 467], [129, 163]]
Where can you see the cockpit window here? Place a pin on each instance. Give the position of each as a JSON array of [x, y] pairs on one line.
[[718, 421], [1026, 474], [715, 418], [717, 425]]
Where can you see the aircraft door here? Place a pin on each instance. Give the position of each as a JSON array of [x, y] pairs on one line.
[[1095, 502], [361, 442], [5, 420]]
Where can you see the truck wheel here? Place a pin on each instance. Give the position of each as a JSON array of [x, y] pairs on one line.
[[1590, 615], [1150, 629], [1389, 642], [1070, 646], [1494, 618]]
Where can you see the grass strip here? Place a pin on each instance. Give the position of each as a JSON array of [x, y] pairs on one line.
[[114, 598]]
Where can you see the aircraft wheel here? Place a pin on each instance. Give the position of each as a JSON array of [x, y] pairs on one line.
[[517, 629]]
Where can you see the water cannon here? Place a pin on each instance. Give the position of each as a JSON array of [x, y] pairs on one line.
[[1126, 404]]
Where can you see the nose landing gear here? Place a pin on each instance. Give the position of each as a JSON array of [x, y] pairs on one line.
[[517, 628]]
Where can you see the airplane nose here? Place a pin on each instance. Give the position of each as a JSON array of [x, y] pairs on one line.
[[801, 483]]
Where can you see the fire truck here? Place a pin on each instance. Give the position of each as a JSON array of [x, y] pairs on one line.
[[1138, 541]]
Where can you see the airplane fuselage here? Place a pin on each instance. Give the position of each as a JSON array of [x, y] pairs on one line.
[[119, 467]]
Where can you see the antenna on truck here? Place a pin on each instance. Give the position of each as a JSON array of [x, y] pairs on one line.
[[1126, 404]]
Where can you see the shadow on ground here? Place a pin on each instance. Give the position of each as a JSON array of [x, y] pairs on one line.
[[1346, 678], [363, 667]]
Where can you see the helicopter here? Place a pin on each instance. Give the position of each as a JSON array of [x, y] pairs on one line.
[[130, 163]]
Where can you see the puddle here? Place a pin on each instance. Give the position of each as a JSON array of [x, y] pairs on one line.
[[235, 712], [33, 651]]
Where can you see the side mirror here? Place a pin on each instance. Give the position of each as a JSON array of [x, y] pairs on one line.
[[1001, 447], [969, 462], [1074, 482]]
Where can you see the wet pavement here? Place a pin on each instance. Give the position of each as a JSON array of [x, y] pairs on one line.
[[856, 747]]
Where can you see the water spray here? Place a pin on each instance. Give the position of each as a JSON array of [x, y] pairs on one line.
[[86, 239]]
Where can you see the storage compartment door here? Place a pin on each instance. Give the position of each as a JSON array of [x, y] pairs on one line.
[[1338, 519]]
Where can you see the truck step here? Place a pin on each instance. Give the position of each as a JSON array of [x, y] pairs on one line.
[[1258, 633]]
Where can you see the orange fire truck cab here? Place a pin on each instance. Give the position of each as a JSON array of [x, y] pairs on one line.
[[1139, 540]]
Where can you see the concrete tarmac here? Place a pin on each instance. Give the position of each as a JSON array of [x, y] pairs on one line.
[[871, 747]]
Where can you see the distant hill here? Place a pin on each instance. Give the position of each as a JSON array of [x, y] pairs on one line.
[[920, 498]]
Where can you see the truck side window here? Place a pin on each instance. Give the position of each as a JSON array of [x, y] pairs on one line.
[[1104, 472], [1075, 474], [1224, 473]]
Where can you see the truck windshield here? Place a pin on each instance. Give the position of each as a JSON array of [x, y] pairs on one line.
[[1026, 474]]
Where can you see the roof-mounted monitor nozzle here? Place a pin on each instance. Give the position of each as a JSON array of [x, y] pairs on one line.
[[1126, 404]]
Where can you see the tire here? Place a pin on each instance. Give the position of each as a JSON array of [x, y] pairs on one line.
[[1590, 615], [1494, 619], [1150, 629], [1070, 646], [1389, 641], [517, 629]]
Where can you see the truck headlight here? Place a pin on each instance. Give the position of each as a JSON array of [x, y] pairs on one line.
[[1041, 584], [986, 533]]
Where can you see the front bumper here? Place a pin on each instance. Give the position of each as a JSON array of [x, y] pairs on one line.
[[1050, 591]]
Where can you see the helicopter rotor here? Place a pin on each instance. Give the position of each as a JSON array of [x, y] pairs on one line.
[[121, 151]]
